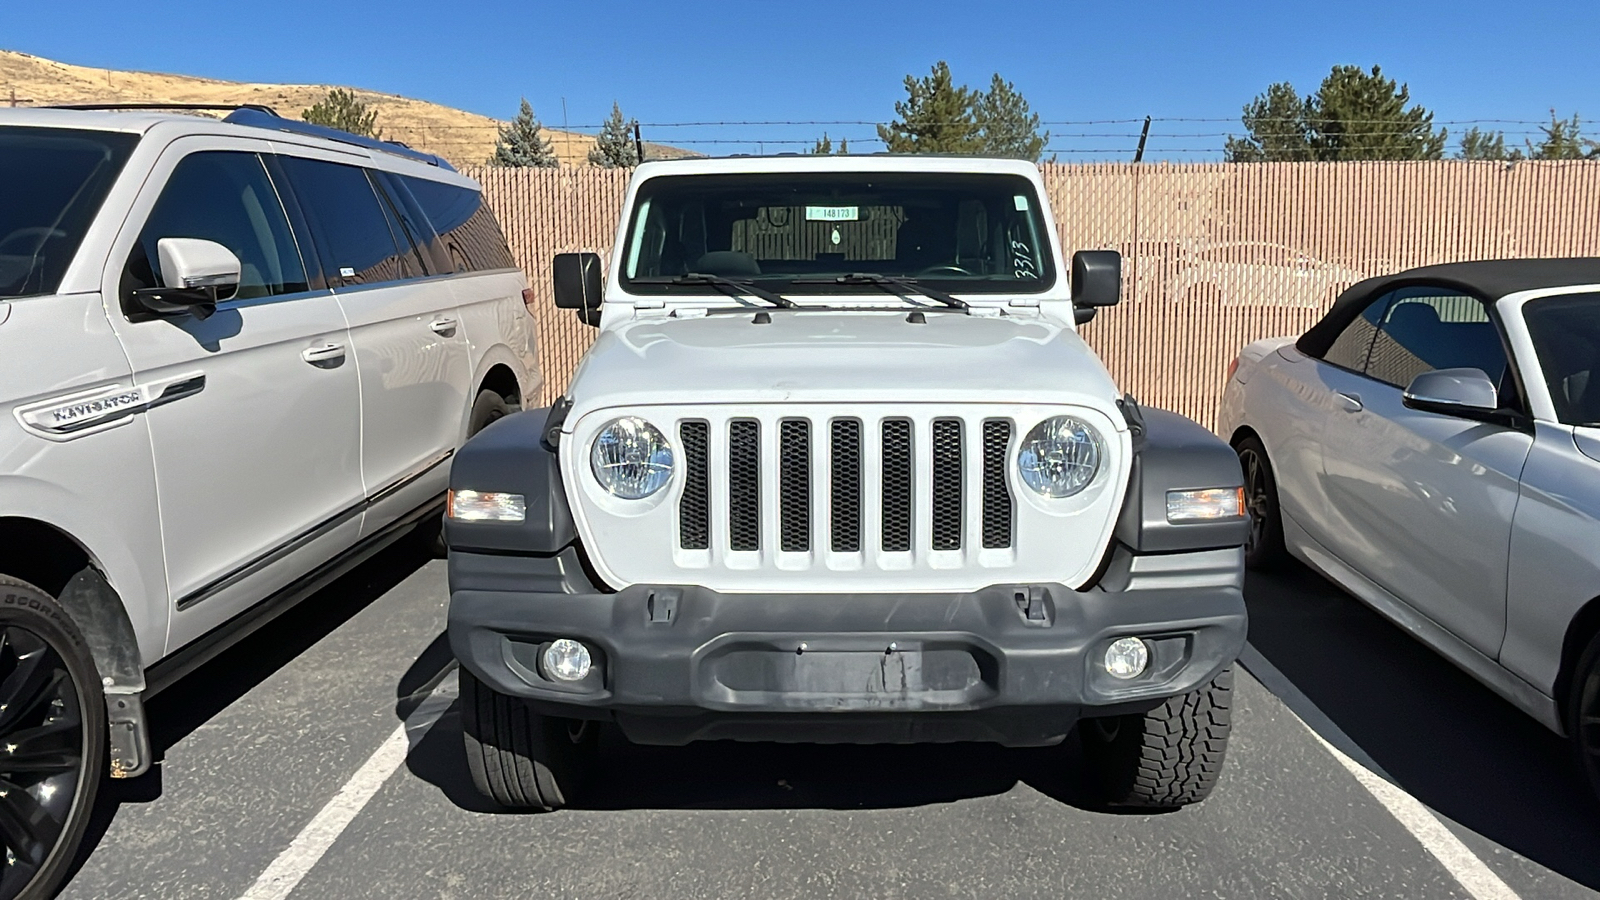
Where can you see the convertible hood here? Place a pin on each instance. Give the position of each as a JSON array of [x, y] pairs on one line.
[[841, 356]]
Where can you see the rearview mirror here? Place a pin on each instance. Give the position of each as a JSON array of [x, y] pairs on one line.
[[578, 284], [1096, 282], [1465, 393], [195, 276]]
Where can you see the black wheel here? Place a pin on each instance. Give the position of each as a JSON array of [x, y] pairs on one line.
[[519, 758], [1265, 547], [487, 409], [52, 740], [1583, 714], [1168, 757]]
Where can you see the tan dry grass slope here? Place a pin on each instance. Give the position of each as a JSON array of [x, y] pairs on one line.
[[464, 138]]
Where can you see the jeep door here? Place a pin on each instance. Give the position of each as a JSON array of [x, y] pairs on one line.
[[258, 470], [1422, 502], [410, 349]]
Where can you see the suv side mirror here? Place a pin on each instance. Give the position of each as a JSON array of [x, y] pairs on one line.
[[195, 275], [1464, 393], [1096, 282], [578, 284]]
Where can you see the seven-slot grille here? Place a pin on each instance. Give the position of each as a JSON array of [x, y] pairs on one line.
[[797, 471]]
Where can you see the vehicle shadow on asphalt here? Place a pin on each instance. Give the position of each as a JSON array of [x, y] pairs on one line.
[[733, 775], [208, 690], [1433, 730]]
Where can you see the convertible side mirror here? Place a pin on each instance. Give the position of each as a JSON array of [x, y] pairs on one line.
[[1096, 282], [1464, 393], [578, 285], [195, 275]]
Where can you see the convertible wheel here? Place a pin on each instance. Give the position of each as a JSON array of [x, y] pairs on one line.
[[52, 740], [1583, 711], [1264, 550]]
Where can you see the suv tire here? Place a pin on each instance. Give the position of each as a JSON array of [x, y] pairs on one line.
[[1583, 714], [55, 716], [1168, 757], [520, 758], [487, 409], [1264, 549]]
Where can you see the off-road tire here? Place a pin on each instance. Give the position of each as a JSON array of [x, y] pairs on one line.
[[1583, 714], [40, 692], [1264, 550], [519, 758], [1168, 757]]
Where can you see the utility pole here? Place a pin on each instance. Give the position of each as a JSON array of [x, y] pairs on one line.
[[1138, 155]]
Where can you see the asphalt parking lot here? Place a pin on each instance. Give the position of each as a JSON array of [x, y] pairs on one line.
[[287, 772]]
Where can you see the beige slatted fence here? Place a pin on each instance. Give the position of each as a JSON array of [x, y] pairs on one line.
[[1214, 255]]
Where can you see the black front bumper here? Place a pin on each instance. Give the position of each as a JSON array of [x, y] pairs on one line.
[[1014, 664]]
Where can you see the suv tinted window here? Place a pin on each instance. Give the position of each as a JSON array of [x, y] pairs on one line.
[[54, 182], [466, 224], [1350, 348], [227, 197], [351, 225], [1435, 328]]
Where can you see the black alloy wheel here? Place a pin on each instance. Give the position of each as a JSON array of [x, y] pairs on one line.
[[1264, 548], [52, 741], [1584, 713]]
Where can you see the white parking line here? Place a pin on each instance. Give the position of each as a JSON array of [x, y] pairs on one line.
[[280, 878], [1467, 869]]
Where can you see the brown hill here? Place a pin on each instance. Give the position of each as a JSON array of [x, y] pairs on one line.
[[463, 138]]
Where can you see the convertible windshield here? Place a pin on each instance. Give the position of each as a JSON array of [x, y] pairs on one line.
[[811, 233], [1566, 334], [52, 182]]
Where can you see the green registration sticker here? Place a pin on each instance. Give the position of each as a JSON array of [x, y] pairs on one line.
[[832, 214]]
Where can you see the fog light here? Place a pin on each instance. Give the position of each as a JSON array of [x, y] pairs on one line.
[[486, 506], [567, 660], [1127, 657]]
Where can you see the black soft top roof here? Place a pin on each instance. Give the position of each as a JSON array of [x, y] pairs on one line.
[[1488, 280]]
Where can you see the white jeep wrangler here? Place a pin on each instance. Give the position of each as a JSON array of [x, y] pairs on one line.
[[235, 358], [839, 468]]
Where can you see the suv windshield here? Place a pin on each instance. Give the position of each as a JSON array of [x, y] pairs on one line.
[[802, 232], [1566, 335], [52, 182]]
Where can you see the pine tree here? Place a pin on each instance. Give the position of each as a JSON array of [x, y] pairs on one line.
[[613, 146], [1353, 115], [935, 117], [522, 145], [341, 109], [1479, 144], [824, 147], [1563, 139], [1008, 128]]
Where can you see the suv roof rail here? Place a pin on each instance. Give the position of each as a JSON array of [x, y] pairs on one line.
[[218, 107], [260, 117]]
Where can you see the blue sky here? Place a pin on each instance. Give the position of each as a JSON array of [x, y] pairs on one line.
[[696, 61]]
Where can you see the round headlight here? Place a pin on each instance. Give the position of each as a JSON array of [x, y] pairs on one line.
[[631, 459], [1059, 457]]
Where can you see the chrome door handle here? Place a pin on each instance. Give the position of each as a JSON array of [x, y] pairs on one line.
[[1350, 402], [327, 353], [444, 327]]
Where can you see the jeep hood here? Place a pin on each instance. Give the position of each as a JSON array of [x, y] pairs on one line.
[[840, 356]]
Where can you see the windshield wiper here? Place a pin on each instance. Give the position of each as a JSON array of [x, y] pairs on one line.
[[728, 286], [890, 284]]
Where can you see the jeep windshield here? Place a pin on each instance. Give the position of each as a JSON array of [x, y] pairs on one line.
[[839, 233], [52, 182]]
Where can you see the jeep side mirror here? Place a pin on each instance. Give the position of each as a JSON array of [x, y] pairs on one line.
[[578, 285], [1096, 282], [1465, 393], [195, 275]]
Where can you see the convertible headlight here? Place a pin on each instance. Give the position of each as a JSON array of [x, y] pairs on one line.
[[1059, 457], [631, 459]]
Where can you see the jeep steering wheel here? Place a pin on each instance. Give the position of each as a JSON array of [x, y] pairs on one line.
[[944, 270]]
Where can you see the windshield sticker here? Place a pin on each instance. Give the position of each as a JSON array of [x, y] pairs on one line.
[[1022, 203], [1022, 260], [832, 214], [835, 236]]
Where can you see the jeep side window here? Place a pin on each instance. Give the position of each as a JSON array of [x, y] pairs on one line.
[[227, 197], [351, 227]]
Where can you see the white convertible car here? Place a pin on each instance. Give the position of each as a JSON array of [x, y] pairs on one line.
[[1433, 447]]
